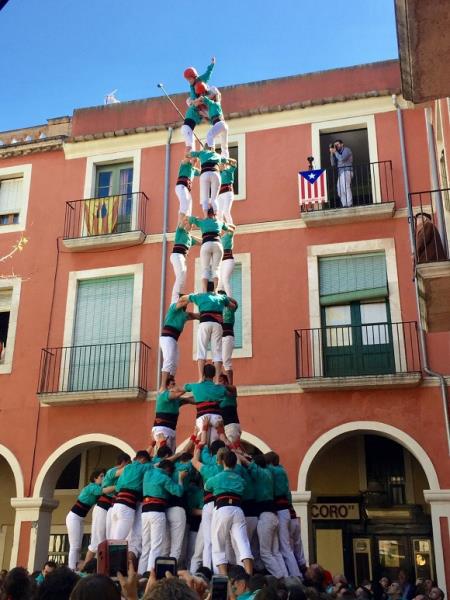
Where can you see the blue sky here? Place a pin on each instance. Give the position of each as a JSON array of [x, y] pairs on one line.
[[58, 55]]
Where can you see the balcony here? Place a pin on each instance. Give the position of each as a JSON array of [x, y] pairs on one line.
[[432, 258], [108, 222], [370, 191], [94, 373], [365, 356]]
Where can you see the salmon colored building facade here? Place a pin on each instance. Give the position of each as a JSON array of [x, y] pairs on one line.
[[330, 366]]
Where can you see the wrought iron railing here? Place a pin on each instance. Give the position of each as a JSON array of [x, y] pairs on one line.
[[117, 366], [360, 185], [119, 213], [431, 240], [356, 350]]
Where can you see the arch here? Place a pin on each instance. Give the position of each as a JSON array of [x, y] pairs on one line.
[[47, 476], [374, 427], [16, 469]]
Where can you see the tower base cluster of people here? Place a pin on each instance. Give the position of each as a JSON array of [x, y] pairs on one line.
[[210, 504]]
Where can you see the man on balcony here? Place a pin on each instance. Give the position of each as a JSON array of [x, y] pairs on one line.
[[341, 157]]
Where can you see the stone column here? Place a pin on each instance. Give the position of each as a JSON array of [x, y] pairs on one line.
[[31, 531], [300, 502], [439, 501]]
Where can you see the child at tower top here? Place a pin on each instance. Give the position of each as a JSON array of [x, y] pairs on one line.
[[193, 116], [219, 128]]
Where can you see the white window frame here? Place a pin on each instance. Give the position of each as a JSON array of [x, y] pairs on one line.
[[238, 139], [101, 160], [23, 171], [244, 259], [346, 124], [137, 270], [15, 283], [386, 245]]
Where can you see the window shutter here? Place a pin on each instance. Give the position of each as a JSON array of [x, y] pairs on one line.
[[11, 194], [236, 286], [345, 279], [103, 313]]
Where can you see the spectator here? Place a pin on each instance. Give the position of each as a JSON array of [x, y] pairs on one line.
[[169, 589], [18, 585], [436, 594], [239, 580], [315, 577], [342, 158], [429, 246], [429, 584], [406, 586], [96, 587], [48, 568], [90, 567], [394, 591], [57, 585]]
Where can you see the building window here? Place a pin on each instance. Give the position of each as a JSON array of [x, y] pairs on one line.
[[115, 181], [9, 305], [385, 469], [14, 192]]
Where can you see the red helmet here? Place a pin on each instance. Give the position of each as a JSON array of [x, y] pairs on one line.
[[190, 72], [200, 88]]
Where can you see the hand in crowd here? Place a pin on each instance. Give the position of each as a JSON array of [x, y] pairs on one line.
[[129, 584]]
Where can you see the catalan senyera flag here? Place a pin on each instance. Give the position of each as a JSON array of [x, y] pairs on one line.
[[312, 186], [100, 215]]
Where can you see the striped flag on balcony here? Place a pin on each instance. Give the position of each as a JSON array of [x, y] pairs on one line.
[[312, 186], [100, 215]]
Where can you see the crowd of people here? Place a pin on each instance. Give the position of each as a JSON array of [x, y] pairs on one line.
[[61, 583]]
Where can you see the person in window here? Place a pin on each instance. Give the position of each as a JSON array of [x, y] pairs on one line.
[[341, 157], [75, 518], [429, 246], [193, 116]]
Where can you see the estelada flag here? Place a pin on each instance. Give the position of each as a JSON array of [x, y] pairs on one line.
[[312, 186], [100, 215]]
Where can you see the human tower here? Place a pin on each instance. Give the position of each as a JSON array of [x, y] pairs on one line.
[[210, 504]]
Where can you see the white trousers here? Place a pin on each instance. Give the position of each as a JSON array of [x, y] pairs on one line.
[[153, 534], [207, 514], [188, 136], [197, 556], [233, 433], [284, 519], [214, 421], [210, 257], [98, 527], [168, 434], [227, 351], [122, 519], [344, 187], [176, 526], [269, 548], [220, 129], [109, 524], [185, 199], [209, 332], [296, 541], [74, 524], [209, 189], [225, 201], [170, 353], [225, 275], [179, 266], [229, 520], [134, 538]]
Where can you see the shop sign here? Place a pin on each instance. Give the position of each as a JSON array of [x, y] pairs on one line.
[[338, 511]]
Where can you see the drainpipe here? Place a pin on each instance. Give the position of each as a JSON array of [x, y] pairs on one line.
[[437, 196], [164, 249], [412, 239]]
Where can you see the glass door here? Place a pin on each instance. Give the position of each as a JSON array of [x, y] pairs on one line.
[[114, 183]]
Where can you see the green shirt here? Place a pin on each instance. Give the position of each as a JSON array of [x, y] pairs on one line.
[[227, 240], [209, 466], [193, 114], [247, 595], [280, 481], [229, 400], [188, 170], [90, 493], [176, 317], [263, 482], [208, 156], [225, 482], [110, 479], [228, 314], [184, 237], [227, 175], [158, 484], [208, 225], [194, 497], [205, 78], [214, 108], [165, 405], [249, 490], [132, 476], [206, 391], [209, 302]]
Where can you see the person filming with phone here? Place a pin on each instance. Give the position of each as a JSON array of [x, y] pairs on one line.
[[341, 157]]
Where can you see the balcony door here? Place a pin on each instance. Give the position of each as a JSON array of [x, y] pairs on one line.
[[357, 339], [100, 356], [115, 182]]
